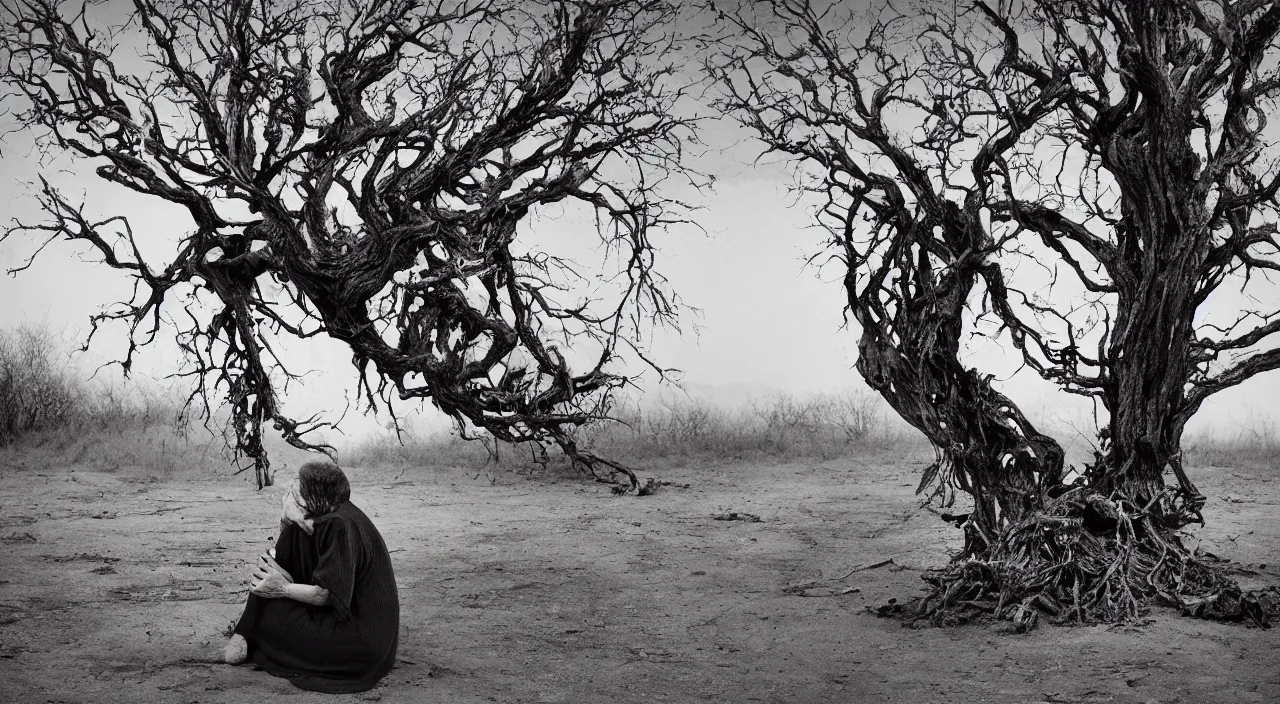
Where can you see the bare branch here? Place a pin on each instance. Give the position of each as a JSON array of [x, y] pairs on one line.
[[442, 127]]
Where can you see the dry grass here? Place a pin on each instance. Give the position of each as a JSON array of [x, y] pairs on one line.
[[51, 416], [677, 431], [1253, 442], [434, 450], [819, 426], [37, 390]]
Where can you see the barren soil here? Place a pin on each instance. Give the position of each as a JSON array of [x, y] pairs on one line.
[[543, 588]]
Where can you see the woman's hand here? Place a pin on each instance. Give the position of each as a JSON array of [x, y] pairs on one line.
[[291, 510], [268, 560], [269, 579]]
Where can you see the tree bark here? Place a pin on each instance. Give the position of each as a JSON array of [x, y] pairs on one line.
[[986, 446], [1163, 242], [1058, 134]]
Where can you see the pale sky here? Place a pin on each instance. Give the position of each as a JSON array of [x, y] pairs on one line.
[[767, 321]]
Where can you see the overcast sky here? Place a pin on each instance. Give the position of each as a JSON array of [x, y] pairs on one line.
[[766, 323]]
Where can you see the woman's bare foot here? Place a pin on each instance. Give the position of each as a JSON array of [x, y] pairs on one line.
[[236, 651]]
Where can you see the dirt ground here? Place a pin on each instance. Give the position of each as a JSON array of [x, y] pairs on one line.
[[540, 588]]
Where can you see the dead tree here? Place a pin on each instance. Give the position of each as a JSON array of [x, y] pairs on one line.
[[368, 171], [1076, 177]]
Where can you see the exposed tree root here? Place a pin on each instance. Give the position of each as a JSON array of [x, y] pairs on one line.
[[1085, 559]]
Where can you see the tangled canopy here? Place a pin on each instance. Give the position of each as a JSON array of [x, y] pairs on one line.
[[369, 171]]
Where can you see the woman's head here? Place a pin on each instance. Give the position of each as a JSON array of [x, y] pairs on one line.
[[322, 487]]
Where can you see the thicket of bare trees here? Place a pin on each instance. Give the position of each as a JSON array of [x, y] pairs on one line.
[[367, 171], [1077, 178]]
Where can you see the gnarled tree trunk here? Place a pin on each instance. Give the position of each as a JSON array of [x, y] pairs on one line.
[[986, 447], [1113, 142]]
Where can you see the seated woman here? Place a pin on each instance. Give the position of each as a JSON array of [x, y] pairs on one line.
[[324, 612]]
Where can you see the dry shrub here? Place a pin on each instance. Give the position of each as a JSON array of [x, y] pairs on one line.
[[431, 450], [51, 417], [37, 392], [782, 426], [676, 430], [1253, 442]]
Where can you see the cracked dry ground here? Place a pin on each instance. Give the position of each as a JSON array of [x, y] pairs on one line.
[[545, 588]]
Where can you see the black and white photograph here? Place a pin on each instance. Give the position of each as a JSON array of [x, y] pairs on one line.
[[780, 351]]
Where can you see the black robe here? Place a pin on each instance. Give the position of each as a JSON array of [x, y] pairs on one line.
[[348, 644]]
